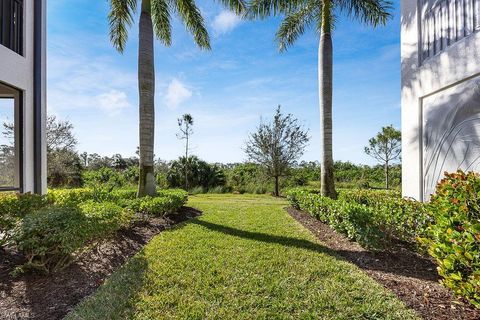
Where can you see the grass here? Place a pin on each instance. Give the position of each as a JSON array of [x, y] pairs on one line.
[[245, 258]]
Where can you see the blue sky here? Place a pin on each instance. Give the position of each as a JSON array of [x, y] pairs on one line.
[[226, 90]]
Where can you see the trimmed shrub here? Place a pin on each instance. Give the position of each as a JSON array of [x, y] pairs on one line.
[[397, 218], [69, 197], [352, 219], [50, 236], [453, 238], [166, 202], [13, 207], [373, 218]]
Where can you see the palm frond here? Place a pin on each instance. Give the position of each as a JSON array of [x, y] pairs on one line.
[[294, 25], [237, 6], [264, 8], [373, 12], [193, 20], [120, 18], [161, 21]]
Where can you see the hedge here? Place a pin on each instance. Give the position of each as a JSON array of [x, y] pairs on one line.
[[50, 236], [374, 219], [49, 229], [166, 202]]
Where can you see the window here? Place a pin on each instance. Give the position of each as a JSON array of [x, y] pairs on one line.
[[11, 25], [10, 139]]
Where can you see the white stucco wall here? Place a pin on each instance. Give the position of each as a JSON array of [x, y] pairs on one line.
[[17, 71], [436, 80]]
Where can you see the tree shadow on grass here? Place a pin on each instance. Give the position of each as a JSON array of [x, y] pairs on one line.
[[264, 237], [400, 263]]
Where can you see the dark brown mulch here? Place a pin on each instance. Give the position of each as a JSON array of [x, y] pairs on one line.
[[411, 277], [51, 297]]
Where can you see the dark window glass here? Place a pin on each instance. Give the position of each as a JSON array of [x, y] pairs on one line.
[[11, 24]]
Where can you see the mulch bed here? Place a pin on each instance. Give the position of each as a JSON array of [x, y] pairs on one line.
[[411, 277], [43, 297]]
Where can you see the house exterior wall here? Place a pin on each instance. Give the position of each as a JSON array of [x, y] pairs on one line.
[[18, 71], [440, 42]]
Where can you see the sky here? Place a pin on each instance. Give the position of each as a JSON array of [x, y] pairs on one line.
[[227, 90]]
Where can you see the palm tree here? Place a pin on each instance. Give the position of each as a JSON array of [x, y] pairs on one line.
[[301, 14], [155, 19]]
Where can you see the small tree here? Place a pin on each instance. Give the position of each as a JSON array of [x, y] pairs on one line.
[[185, 124], [277, 145], [386, 147]]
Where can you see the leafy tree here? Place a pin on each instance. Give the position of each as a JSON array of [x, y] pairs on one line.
[[155, 20], [185, 124], [64, 168], [277, 145], [301, 14], [385, 147]]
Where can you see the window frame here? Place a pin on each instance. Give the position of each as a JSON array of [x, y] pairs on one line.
[[18, 98], [16, 26]]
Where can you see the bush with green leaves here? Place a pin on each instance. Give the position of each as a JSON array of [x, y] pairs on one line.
[[73, 197], [398, 218], [13, 207], [49, 237], [453, 239], [165, 202], [199, 173], [376, 219], [351, 219], [105, 178]]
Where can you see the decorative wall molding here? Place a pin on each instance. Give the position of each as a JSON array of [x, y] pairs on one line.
[[451, 132], [445, 22]]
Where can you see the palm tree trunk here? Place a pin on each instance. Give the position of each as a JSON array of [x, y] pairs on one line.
[[146, 88], [325, 80], [186, 161]]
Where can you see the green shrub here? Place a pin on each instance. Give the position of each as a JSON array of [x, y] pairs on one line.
[[69, 197], [396, 217], [166, 202], [74, 197], [50, 236], [352, 219], [106, 178], [126, 194], [13, 207], [373, 218], [453, 238]]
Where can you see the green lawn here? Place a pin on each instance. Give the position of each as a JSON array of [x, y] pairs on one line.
[[245, 258]]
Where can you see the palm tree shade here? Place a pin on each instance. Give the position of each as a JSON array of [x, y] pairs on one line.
[[155, 21], [302, 14]]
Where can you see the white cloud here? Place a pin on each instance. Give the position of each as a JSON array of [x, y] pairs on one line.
[[79, 80], [177, 93], [113, 101], [225, 22]]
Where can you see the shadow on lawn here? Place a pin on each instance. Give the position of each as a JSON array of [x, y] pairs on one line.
[[264, 237], [399, 263]]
